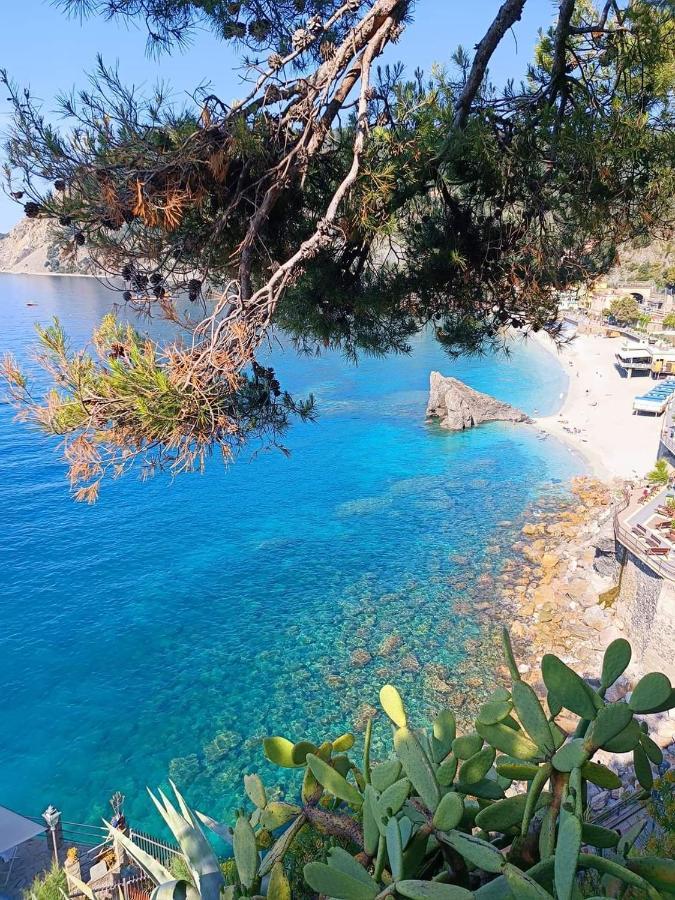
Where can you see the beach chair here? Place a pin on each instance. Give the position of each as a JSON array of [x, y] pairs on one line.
[[640, 529], [658, 551], [661, 526]]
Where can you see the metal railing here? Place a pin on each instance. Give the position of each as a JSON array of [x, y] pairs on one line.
[[163, 851], [627, 539]]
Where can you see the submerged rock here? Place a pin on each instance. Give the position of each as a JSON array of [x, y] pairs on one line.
[[457, 406]]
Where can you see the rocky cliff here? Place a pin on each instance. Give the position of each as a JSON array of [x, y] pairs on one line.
[[39, 247], [457, 406]]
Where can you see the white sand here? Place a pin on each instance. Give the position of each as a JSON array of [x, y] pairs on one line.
[[599, 403]]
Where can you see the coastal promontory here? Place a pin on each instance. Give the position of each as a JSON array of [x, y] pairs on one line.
[[458, 406]]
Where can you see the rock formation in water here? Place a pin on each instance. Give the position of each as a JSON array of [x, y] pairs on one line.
[[457, 406], [40, 247]]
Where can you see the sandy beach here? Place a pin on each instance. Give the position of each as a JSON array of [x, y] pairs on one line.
[[596, 417]]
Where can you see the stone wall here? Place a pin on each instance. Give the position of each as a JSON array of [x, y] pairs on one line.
[[646, 605]]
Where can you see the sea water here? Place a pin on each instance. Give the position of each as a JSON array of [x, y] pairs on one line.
[[166, 630]]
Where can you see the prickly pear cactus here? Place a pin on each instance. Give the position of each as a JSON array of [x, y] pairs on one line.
[[499, 812]]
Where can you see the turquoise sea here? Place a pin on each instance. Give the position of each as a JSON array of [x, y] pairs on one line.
[[174, 624]]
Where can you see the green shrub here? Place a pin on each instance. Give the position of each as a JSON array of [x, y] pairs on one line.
[[433, 819], [48, 886]]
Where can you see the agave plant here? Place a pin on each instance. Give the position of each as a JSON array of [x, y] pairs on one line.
[[434, 820]]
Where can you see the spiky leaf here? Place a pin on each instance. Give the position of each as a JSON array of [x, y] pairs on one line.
[[447, 770], [523, 886], [610, 721], [494, 711], [344, 743], [504, 814], [625, 740], [596, 836]]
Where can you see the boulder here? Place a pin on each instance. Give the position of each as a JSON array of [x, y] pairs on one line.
[[457, 406]]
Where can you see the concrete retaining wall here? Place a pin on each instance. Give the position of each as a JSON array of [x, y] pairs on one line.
[[646, 604]]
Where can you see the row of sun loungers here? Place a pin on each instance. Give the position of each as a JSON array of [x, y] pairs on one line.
[[656, 399], [655, 546]]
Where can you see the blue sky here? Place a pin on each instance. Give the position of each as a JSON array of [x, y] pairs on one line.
[[41, 48]]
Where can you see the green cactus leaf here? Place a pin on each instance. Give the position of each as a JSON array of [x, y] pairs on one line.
[[659, 872], [300, 751], [475, 851], [466, 746], [626, 740], [477, 766], [279, 750], [447, 770], [333, 883], [567, 687], [384, 774], [245, 851], [444, 733], [394, 848], [508, 741], [554, 705], [311, 789], [344, 743], [547, 833], [417, 767], [494, 711], [600, 775], [643, 768], [666, 705], [278, 887], [652, 750], [650, 692], [392, 704], [449, 812], [431, 890], [333, 782], [534, 791], [610, 721], [524, 887], [504, 814], [615, 662], [485, 789], [255, 790], [394, 797], [596, 836], [532, 716], [567, 850], [515, 770], [570, 756], [342, 765], [371, 813], [277, 814]]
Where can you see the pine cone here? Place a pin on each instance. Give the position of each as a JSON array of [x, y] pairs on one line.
[[275, 61]]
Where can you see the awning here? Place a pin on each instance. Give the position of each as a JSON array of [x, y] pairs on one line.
[[15, 829]]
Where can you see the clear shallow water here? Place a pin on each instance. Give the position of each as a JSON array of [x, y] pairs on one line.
[[171, 626]]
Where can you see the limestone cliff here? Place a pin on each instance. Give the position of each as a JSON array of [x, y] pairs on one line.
[[40, 247], [457, 406]]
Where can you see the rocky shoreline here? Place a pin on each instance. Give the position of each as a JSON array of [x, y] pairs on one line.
[[560, 584]]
